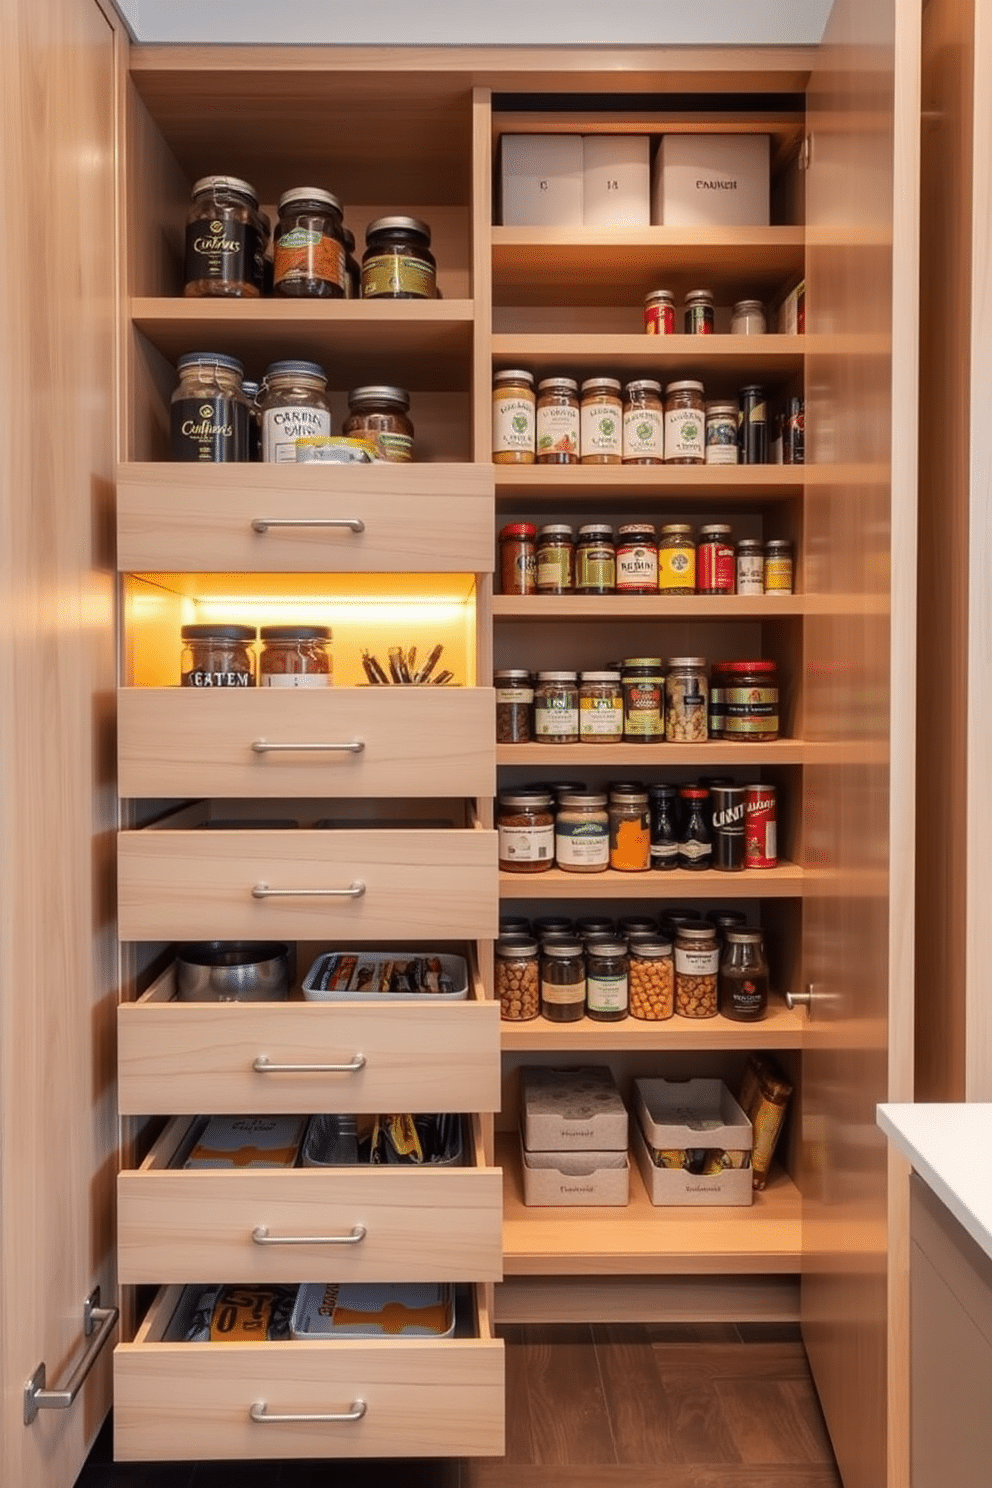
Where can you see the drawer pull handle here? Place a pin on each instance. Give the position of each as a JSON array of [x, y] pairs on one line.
[[262, 746], [354, 891], [261, 1236], [262, 524], [264, 1066], [262, 1417], [98, 1324]]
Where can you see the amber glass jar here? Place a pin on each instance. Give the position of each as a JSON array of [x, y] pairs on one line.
[[353, 274], [217, 656], [517, 558], [380, 414], [601, 422], [743, 976], [309, 260], [398, 263], [643, 423], [563, 981], [676, 559], [514, 408], [295, 656], [555, 559], [557, 421], [595, 560], [525, 825], [637, 559], [685, 423], [225, 246]]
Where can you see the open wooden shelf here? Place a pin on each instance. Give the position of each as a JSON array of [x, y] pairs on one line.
[[729, 359], [646, 606], [714, 752], [642, 1239], [640, 484], [783, 1028], [787, 881]]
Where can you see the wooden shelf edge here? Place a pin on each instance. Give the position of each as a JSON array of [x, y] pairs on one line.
[[146, 311], [783, 1028], [787, 881], [551, 239], [646, 606]]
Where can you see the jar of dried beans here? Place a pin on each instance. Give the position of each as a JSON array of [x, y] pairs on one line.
[[295, 656], [697, 959], [518, 982], [217, 656]]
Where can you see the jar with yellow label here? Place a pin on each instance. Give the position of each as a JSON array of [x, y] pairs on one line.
[[514, 407], [676, 559], [398, 263], [600, 708], [601, 422], [778, 566], [555, 559], [595, 560], [557, 421], [380, 414]]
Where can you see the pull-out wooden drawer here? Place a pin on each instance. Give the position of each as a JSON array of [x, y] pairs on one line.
[[363, 1224], [174, 883], [418, 518], [328, 741], [399, 1397], [193, 1058]]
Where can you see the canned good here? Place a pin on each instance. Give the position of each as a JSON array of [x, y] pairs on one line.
[[715, 560], [760, 827], [752, 425], [659, 313], [751, 700], [728, 809], [778, 566]]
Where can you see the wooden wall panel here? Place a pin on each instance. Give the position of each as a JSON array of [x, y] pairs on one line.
[[59, 80]]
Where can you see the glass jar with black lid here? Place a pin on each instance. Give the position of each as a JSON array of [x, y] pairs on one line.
[[606, 981], [398, 263], [217, 656], [208, 412], [295, 656], [309, 254], [563, 981]]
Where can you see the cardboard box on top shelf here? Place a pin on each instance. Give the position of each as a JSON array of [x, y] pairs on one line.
[[541, 180], [704, 180]]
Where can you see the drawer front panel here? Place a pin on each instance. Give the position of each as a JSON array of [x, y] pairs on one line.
[[429, 1398], [264, 742], [199, 1058], [181, 885], [365, 1224], [425, 519]]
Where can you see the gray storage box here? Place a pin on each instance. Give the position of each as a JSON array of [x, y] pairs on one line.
[[572, 1110]]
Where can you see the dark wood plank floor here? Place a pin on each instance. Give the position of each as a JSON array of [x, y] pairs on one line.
[[605, 1406]]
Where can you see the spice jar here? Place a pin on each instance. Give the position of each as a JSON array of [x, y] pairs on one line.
[[309, 255], [518, 979], [514, 701], [517, 558], [557, 423], [595, 560], [752, 425], [398, 263], [643, 683], [630, 829], [686, 699], [743, 976], [637, 559], [652, 980], [556, 708], [695, 850], [664, 831], [514, 409], [525, 826], [721, 434], [685, 423], [676, 559], [748, 318], [596, 926], [697, 958], [750, 701], [514, 926], [698, 313], [559, 925], [582, 833], [380, 414], [659, 313], [208, 413], [606, 981], [224, 240], [643, 423], [295, 656], [600, 708], [778, 566], [217, 656], [555, 566], [715, 560], [293, 404], [601, 422], [750, 566], [563, 981]]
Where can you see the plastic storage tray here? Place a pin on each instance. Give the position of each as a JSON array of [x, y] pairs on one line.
[[360, 1310], [331, 1139], [454, 967]]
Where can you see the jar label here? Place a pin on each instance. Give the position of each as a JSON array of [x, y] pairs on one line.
[[699, 320], [296, 679], [304, 255], [391, 446], [583, 844], [513, 423], [554, 570], [778, 576], [596, 569], [558, 430], [664, 852], [684, 429], [695, 852], [606, 994], [515, 695], [716, 567], [659, 319], [282, 427], [601, 427], [677, 568], [697, 963], [643, 434], [395, 274], [601, 717], [721, 441], [210, 430], [223, 252], [643, 716], [217, 679], [563, 996], [750, 573], [637, 567], [527, 844], [554, 719]]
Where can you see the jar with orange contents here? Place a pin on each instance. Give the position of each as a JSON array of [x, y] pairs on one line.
[[630, 828]]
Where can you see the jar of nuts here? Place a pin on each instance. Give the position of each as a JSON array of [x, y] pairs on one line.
[[697, 960], [652, 980], [686, 700], [518, 983]]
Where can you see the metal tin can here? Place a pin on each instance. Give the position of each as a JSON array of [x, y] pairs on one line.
[[698, 313], [715, 560], [760, 827], [659, 313], [729, 806], [752, 425]]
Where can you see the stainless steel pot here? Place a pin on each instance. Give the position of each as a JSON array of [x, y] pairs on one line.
[[233, 971]]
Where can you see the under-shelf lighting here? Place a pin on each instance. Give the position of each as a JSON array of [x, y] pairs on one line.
[[277, 610]]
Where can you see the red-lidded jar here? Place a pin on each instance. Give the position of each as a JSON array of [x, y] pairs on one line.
[[637, 559], [517, 559], [750, 706], [715, 560]]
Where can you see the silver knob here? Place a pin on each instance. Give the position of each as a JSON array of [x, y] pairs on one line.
[[800, 999]]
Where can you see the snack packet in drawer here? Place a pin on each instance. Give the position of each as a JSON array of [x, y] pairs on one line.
[[363, 1310], [232, 1314], [248, 1142]]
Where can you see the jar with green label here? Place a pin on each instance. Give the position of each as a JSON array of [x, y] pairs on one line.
[[685, 423], [595, 560], [643, 683], [643, 423], [601, 422], [600, 708], [606, 981], [556, 708], [380, 414], [397, 263], [676, 559], [582, 833], [557, 421], [555, 559]]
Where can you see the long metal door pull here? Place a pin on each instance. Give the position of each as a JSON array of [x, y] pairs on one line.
[[262, 1417], [260, 1235], [263, 746], [98, 1324], [355, 890], [264, 1066], [262, 524]]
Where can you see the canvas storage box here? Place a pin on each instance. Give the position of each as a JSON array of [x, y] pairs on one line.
[[572, 1110], [541, 180], [616, 180], [574, 1179], [690, 1116], [711, 179]]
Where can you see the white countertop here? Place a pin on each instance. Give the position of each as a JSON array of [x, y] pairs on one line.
[[950, 1146]]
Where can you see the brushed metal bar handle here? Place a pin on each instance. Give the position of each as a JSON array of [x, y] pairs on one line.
[[262, 524], [260, 1235], [355, 891], [800, 999], [262, 746], [263, 1417], [98, 1324], [264, 1066]]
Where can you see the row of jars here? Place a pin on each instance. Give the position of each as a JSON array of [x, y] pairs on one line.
[[747, 318], [216, 416], [216, 655], [631, 827], [641, 700], [639, 559], [687, 965], [232, 252], [603, 423]]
